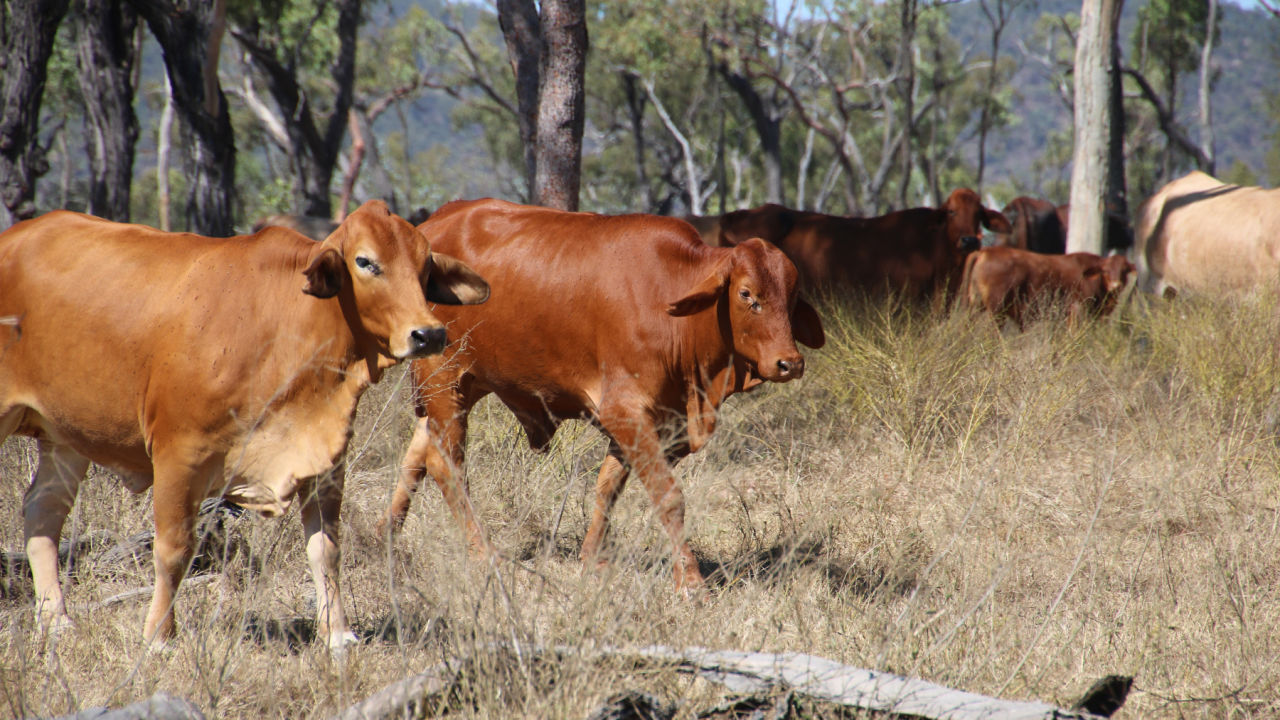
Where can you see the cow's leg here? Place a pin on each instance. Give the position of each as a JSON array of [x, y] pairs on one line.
[[637, 437], [437, 449], [44, 510], [609, 484], [321, 509], [180, 484]]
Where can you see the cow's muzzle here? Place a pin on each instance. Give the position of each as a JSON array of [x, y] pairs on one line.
[[970, 243], [425, 341], [786, 369]]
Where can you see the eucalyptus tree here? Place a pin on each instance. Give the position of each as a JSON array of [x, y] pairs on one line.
[[305, 51], [190, 36], [108, 47], [27, 31]]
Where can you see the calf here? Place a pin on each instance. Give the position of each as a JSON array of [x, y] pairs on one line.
[[1006, 280]]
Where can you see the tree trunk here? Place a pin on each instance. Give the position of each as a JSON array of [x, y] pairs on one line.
[[163, 143], [635, 112], [561, 104], [313, 154], [106, 57], [1206, 86], [1092, 164], [523, 35], [767, 118], [189, 36], [26, 41], [907, 89]]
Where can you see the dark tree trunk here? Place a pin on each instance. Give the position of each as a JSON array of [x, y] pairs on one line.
[[189, 33], [523, 35], [107, 53], [1117, 192], [767, 118], [907, 91], [314, 154], [635, 111], [27, 29], [561, 104]]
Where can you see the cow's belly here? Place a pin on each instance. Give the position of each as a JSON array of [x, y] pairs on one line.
[[1232, 265]]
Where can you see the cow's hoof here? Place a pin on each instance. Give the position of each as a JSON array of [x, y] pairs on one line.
[[339, 642]]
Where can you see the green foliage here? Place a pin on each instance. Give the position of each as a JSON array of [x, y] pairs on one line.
[[1239, 174]]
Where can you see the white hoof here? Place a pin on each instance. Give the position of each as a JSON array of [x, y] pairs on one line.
[[339, 642]]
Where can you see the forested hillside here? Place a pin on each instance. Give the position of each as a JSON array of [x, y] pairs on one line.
[[435, 91]]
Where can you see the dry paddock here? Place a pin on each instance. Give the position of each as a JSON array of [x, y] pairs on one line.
[[1013, 514]]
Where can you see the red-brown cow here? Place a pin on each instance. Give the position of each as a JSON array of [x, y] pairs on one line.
[[1006, 280], [202, 367], [918, 252], [629, 322]]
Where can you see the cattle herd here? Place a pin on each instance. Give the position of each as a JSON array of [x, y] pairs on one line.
[[120, 344]]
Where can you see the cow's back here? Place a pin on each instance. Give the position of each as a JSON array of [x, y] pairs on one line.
[[1199, 234]]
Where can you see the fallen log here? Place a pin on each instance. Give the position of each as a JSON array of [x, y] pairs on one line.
[[160, 706], [752, 673]]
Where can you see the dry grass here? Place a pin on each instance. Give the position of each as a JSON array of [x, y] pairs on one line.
[[1014, 514]]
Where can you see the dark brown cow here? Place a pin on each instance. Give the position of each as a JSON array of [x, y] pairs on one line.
[[629, 322], [1038, 226], [1006, 280], [917, 252], [203, 367], [1041, 226]]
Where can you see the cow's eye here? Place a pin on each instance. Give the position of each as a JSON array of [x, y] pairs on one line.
[[745, 294], [368, 265]]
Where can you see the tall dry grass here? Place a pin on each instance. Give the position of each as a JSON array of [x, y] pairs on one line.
[[1010, 513]]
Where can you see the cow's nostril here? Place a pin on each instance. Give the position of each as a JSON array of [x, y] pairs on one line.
[[784, 366], [425, 341]]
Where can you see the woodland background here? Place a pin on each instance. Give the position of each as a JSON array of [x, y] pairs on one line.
[[798, 103]]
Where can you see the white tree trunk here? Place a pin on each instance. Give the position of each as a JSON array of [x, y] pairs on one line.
[[1092, 162]]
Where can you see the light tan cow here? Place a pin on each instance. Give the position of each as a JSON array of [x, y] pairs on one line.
[[203, 367], [1202, 235]]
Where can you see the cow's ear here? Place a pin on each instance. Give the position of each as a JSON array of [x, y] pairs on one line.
[[806, 326], [325, 274], [705, 293], [996, 221], [452, 282]]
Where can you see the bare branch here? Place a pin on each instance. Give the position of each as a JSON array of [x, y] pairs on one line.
[[1168, 123]]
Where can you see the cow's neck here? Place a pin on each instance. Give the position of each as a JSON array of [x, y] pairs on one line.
[[711, 371]]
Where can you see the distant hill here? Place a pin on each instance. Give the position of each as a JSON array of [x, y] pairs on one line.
[[1245, 55]]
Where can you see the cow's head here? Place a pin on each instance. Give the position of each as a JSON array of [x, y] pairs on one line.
[[756, 286], [386, 269], [965, 218], [1105, 281]]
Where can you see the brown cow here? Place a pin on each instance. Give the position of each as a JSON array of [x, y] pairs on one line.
[[1200, 234], [204, 367], [1006, 280], [315, 227], [629, 322], [918, 252]]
